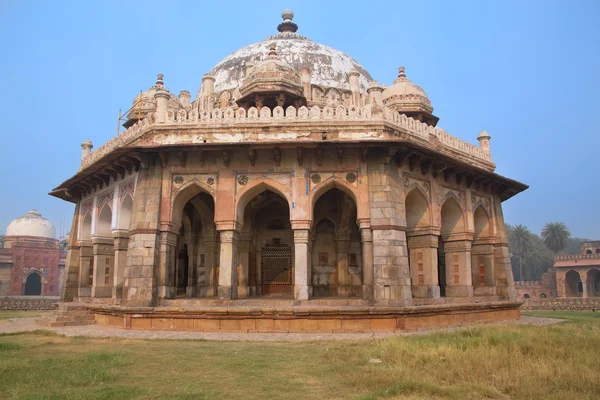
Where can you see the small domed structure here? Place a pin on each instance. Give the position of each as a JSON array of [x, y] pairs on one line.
[[407, 98], [271, 81], [144, 103], [31, 224]]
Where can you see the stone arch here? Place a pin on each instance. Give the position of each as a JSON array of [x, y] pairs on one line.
[[34, 283], [481, 220], [250, 191], [597, 251], [593, 282], [337, 246], [125, 210], [573, 284], [589, 251], [417, 209], [526, 296], [453, 220], [335, 183], [86, 227], [104, 222], [185, 194], [543, 296]]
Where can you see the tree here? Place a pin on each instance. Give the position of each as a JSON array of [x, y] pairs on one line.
[[519, 242], [555, 235]]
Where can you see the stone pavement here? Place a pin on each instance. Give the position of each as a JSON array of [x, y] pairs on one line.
[[16, 325]]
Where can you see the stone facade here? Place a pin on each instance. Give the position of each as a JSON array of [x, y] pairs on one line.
[[288, 185], [574, 275]]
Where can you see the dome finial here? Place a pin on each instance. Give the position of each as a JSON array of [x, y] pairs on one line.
[[401, 73], [287, 25], [272, 50], [159, 80]]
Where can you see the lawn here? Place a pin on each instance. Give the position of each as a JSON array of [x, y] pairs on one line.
[[505, 362]]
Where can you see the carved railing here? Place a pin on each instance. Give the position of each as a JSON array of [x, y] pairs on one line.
[[437, 137], [566, 257]]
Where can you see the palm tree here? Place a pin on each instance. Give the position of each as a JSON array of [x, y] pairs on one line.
[[555, 235], [520, 243]]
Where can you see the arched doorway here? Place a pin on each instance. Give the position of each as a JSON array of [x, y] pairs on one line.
[[33, 285], [336, 246], [593, 282], [266, 247], [482, 254], [456, 250], [573, 284]]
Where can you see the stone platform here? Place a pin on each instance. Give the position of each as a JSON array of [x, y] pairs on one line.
[[281, 315]]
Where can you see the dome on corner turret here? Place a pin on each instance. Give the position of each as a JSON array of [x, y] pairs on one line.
[[31, 224]]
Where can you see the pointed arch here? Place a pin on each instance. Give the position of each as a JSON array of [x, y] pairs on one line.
[[482, 222], [104, 222], [417, 209], [573, 285], [85, 232], [249, 192], [125, 210], [185, 194], [335, 183], [453, 220]]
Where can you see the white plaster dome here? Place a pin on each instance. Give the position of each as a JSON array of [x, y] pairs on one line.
[[31, 224], [328, 67]]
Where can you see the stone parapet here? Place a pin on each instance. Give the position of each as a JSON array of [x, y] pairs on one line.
[[24, 303]]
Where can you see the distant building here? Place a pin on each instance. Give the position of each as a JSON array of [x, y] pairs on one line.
[[31, 258], [573, 275]]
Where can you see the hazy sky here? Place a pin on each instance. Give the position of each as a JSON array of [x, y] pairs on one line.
[[525, 71]]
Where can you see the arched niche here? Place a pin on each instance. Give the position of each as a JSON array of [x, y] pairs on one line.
[[481, 220], [103, 225], [125, 212], [249, 193], [573, 284], [417, 210], [452, 217], [86, 227]]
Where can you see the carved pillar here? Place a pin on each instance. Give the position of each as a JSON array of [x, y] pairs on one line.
[[343, 288], [228, 265], [190, 288], [560, 284], [143, 254], [72, 263], [458, 268], [205, 284], [584, 287], [104, 258], [503, 277], [167, 259], [301, 264], [424, 266], [120, 242], [367, 262], [86, 268], [482, 269], [243, 290]]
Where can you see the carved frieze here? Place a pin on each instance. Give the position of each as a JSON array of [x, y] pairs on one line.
[[320, 178], [179, 181], [246, 179]]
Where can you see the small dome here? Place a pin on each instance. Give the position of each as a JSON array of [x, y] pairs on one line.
[[405, 94], [271, 74], [144, 103], [31, 224]]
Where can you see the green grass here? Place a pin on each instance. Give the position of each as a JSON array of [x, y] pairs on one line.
[[20, 314], [572, 316], [504, 362]]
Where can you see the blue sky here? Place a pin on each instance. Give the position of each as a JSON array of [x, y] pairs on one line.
[[525, 71]]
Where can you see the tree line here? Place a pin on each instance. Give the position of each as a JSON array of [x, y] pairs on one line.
[[532, 255]]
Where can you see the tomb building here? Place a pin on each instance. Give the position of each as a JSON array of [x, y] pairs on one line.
[[294, 192]]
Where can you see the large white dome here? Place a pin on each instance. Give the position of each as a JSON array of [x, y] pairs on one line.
[[31, 224], [328, 67]]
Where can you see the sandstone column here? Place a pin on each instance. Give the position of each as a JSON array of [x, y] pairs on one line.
[[243, 290], [343, 288], [390, 258], [140, 283], [458, 268], [301, 264], [228, 265], [104, 258], [424, 266], [86, 267], [584, 287], [167, 242], [72, 263], [367, 262], [120, 242], [503, 277], [482, 266]]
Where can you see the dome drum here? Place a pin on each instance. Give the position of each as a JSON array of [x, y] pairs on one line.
[[31, 224]]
